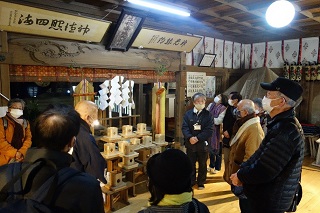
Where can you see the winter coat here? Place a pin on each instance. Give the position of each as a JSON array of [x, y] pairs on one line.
[[218, 112], [270, 177], [8, 152], [80, 193], [244, 145], [228, 122], [205, 119], [86, 154]]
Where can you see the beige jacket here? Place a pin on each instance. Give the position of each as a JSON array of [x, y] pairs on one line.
[[246, 141]]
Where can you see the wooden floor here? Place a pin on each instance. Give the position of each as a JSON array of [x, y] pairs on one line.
[[219, 199]]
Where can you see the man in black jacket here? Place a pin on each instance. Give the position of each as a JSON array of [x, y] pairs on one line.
[[197, 128], [86, 153], [271, 175], [228, 122]]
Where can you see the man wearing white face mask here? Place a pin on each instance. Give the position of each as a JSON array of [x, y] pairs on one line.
[[86, 153], [15, 134], [197, 128], [270, 177]]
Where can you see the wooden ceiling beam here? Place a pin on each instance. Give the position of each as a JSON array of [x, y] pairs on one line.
[[309, 7]]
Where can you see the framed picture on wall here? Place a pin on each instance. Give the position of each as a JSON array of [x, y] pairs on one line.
[[207, 60]]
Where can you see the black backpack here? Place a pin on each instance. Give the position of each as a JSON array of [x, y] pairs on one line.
[[12, 195]]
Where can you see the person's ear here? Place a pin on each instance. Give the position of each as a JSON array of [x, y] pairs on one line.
[[283, 101], [72, 142]]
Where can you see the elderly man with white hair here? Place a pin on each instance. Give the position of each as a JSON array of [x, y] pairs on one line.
[[248, 135]]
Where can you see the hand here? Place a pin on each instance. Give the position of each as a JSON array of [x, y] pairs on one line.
[[19, 156], [235, 180], [226, 134], [193, 140]]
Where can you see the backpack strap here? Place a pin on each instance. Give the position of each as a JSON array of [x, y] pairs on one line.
[[25, 123], [5, 122]]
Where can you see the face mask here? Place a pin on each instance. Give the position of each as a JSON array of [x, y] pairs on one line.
[[256, 111], [94, 122], [266, 104], [16, 113], [199, 106], [216, 99], [230, 102]]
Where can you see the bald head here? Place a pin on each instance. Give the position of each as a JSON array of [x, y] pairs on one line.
[[247, 105], [88, 111]]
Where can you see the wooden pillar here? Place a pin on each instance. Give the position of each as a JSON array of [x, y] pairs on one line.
[[180, 105], [4, 70], [141, 105], [179, 108]]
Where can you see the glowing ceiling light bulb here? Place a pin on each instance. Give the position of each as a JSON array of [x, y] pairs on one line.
[[280, 13]]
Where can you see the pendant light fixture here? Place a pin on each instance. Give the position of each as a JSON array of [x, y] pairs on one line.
[[280, 13]]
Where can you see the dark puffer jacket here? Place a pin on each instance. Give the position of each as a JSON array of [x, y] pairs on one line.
[[204, 119], [270, 177]]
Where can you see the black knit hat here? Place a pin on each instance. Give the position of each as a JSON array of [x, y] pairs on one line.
[[170, 171], [289, 88]]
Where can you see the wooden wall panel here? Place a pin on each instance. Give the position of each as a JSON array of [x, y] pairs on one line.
[[51, 52]]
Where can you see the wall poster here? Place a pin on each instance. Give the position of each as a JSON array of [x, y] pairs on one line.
[[196, 82], [210, 86]]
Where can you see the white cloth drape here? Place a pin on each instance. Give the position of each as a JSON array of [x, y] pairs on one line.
[[218, 48], [228, 52], [209, 45], [310, 47], [258, 55], [198, 51], [291, 50], [236, 55], [274, 55], [247, 55]]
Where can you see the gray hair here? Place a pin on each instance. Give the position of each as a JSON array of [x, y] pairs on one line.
[[16, 100], [198, 95], [248, 105], [289, 101]]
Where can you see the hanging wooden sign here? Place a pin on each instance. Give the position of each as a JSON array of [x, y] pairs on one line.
[[29, 20], [154, 39]]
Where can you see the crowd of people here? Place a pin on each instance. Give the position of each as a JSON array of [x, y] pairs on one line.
[[261, 141]]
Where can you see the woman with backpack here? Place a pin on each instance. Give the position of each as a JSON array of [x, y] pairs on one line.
[[15, 133]]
